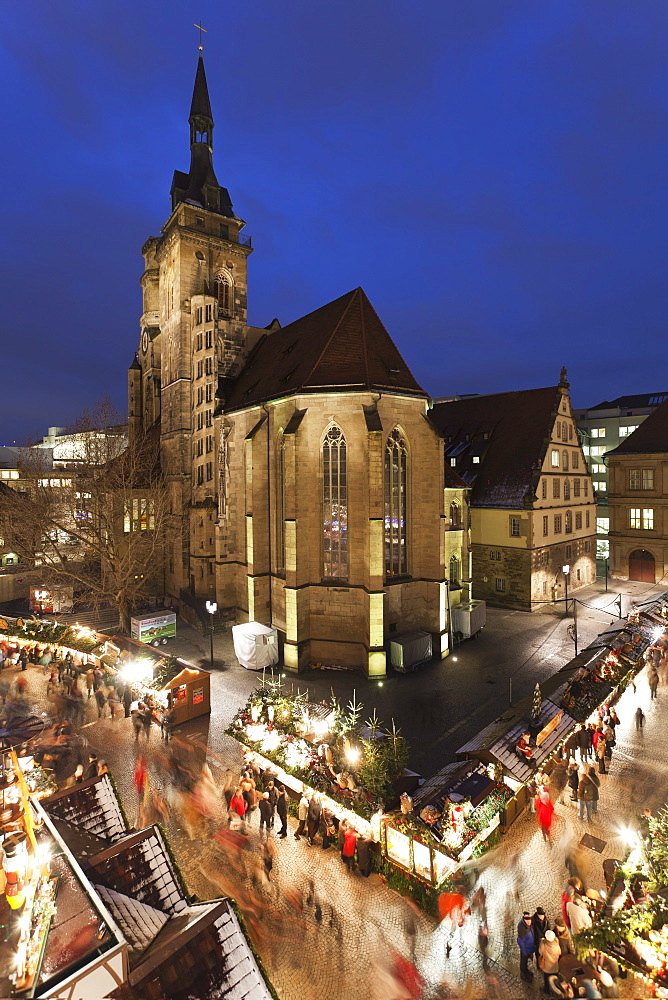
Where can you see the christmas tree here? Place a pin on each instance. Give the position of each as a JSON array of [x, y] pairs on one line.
[[536, 706]]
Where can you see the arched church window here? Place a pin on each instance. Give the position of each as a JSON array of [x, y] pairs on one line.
[[280, 504], [335, 505], [454, 570], [396, 456], [455, 515], [222, 289]]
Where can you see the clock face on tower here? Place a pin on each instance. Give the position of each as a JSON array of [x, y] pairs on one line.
[[144, 341]]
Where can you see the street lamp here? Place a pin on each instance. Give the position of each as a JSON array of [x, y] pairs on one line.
[[211, 607], [566, 570]]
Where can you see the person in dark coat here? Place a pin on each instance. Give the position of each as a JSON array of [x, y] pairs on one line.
[[313, 818], [273, 797], [527, 945], [564, 937], [364, 856], [266, 812], [539, 925], [573, 781], [327, 827], [101, 700], [282, 810], [127, 700]]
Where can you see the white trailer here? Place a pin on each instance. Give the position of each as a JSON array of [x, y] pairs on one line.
[[468, 619]]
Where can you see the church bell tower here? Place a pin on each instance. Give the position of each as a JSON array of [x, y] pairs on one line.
[[192, 335]]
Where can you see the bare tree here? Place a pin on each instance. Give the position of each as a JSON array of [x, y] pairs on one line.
[[102, 524]]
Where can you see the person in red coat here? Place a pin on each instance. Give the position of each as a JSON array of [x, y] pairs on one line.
[[544, 812]]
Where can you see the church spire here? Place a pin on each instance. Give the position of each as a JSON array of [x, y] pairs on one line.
[[201, 119], [200, 185]]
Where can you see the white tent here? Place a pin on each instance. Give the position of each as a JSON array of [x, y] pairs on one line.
[[255, 645]]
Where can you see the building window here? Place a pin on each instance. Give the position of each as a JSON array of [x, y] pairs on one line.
[[648, 479], [209, 366], [557, 524], [200, 421], [198, 316], [603, 524], [575, 460], [200, 395], [601, 486], [209, 444], [455, 515], [556, 488], [576, 487], [139, 515], [200, 369], [585, 484], [396, 457], [209, 418], [578, 520], [567, 489], [648, 518], [209, 471], [586, 519], [568, 525], [500, 584], [598, 432], [641, 479], [544, 489], [515, 527], [200, 475], [564, 461], [570, 432], [453, 462], [208, 338], [625, 431], [544, 588], [578, 574], [209, 392], [555, 459], [495, 555], [587, 547], [222, 292], [546, 522], [569, 551], [209, 318], [476, 459], [280, 505], [199, 447], [454, 570], [198, 346], [335, 505]]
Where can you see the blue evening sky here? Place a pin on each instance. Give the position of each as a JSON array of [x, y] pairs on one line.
[[492, 172]]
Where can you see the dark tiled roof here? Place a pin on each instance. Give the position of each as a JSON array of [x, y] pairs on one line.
[[343, 345], [650, 438], [640, 399], [453, 481], [508, 432]]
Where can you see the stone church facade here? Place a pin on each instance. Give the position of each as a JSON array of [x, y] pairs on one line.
[[307, 482]]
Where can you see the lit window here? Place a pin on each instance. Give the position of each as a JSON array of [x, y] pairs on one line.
[[453, 461], [648, 479], [635, 479], [601, 486], [555, 459], [139, 515], [648, 518], [335, 505], [625, 431], [603, 524], [598, 432], [634, 517], [476, 460], [396, 456]]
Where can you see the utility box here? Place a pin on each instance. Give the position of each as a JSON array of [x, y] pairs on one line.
[[155, 629], [468, 619], [409, 650]]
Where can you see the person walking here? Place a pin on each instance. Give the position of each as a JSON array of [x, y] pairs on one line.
[[273, 798], [266, 813], [282, 810], [89, 682], [238, 809], [573, 781], [549, 954], [640, 718], [653, 681], [313, 817], [596, 784], [302, 814], [526, 944], [101, 702], [127, 699], [136, 719], [544, 812], [348, 848], [585, 795], [147, 721]]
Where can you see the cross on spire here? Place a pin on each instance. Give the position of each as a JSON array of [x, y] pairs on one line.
[[201, 29]]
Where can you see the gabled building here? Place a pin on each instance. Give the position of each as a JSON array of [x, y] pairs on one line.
[[307, 485], [532, 505], [638, 501]]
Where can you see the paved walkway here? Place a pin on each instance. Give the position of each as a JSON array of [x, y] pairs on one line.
[[322, 931]]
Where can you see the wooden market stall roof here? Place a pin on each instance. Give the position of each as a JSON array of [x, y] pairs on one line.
[[497, 742], [187, 675]]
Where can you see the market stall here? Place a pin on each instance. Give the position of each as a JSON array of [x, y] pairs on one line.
[[163, 681], [41, 636], [450, 819]]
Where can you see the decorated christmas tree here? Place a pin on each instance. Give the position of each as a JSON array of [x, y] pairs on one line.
[[536, 706]]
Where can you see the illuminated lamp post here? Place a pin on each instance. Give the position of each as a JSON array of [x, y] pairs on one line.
[[566, 571], [211, 607]]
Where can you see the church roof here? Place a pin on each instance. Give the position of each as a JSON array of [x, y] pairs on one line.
[[650, 438], [340, 347], [200, 105], [507, 432]]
